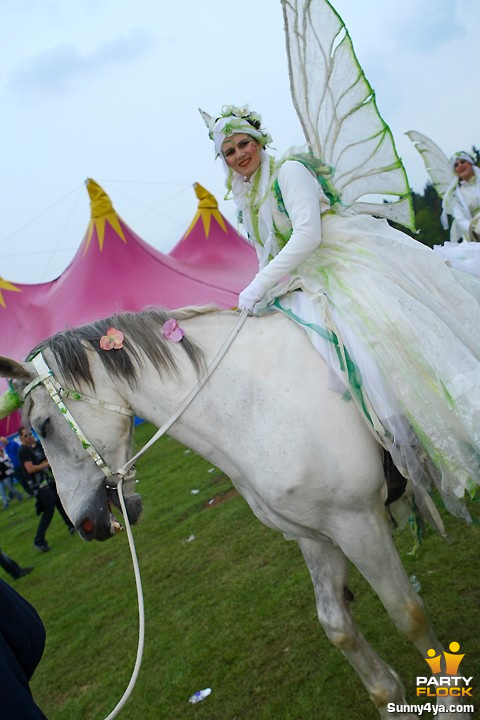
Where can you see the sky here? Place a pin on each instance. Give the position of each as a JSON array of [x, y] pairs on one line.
[[109, 89]]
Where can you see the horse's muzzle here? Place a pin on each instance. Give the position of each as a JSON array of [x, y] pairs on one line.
[[99, 521]]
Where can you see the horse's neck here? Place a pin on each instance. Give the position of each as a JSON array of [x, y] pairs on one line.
[[158, 395]]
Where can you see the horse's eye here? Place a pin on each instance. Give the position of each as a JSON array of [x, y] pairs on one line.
[[44, 428]]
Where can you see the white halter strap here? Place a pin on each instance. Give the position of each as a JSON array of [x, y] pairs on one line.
[[56, 392]]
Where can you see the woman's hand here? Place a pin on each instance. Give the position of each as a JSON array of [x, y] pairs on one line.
[[252, 294]]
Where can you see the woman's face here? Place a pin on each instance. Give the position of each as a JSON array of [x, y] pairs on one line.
[[242, 153], [463, 169]]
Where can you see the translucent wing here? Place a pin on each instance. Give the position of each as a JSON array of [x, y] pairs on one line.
[[435, 160], [338, 112]]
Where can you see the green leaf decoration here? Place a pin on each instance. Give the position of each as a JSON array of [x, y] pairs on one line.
[[9, 401]]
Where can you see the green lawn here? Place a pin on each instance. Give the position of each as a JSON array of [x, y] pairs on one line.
[[232, 609]]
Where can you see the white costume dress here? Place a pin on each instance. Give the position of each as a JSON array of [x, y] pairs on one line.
[[462, 202], [389, 316]]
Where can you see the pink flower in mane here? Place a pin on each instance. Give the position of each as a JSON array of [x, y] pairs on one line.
[[172, 330], [113, 340]]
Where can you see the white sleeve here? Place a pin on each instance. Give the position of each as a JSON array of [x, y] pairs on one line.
[[461, 215], [300, 193]]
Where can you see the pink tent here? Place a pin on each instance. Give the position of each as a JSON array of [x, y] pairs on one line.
[[115, 270]]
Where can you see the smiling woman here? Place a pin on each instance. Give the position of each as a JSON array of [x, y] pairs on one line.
[[242, 154]]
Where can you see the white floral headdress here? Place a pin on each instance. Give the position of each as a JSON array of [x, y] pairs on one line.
[[461, 155], [233, 120]]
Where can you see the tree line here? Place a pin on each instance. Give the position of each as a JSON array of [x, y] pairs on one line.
[[427, 208]]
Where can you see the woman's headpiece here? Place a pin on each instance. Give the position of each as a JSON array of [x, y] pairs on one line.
[[235, 120], [461, 155]]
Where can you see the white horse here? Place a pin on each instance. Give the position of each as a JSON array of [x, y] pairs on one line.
[[300, 455]]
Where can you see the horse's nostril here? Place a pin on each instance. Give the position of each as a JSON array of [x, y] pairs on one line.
[[87, 525]]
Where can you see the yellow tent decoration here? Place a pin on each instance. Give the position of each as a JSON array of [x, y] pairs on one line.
[[207, 208], [101, 212], [5, 285]]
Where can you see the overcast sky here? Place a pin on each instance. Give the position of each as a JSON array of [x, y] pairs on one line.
[[109, 89]]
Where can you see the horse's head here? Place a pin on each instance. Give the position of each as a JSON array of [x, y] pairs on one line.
[[86, 493]]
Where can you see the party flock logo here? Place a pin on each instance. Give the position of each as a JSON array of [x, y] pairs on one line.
[[445, 679]]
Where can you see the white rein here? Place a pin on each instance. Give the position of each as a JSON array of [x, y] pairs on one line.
[[193, 392], [57, 392]]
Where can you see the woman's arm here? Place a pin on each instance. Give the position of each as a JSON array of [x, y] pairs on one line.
[[300, 193], [461, 215]]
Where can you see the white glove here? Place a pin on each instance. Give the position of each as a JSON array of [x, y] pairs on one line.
[[252, 294]]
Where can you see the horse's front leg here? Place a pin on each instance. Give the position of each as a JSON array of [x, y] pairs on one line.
[[328, 569]]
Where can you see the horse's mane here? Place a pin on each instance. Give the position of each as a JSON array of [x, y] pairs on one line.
[[142, 331]]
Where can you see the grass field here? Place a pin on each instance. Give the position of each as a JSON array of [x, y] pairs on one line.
[[231, 609]]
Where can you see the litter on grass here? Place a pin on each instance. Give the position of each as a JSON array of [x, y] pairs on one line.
[[199, 695]]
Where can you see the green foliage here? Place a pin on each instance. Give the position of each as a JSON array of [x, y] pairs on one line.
[[427, 208], [232, 609]]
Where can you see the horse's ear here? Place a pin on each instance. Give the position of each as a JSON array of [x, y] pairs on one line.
[[10, 368]]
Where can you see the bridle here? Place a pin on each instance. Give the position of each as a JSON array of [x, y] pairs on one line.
[[57, 392]]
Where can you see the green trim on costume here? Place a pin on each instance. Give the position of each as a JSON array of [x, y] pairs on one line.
[[447, 395], [256, 205], [319, 171], [282, 237], [440, 459], [347, 367]]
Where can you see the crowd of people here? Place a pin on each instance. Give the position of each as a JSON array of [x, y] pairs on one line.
[[24, 464]]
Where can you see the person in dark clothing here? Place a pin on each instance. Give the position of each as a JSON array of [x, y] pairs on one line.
[[11, 448], [34, 472], [34, 466], [7, 472], [22, 641], [41, 457], [12, 567]]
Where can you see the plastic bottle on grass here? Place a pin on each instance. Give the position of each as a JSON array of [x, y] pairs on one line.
[[415, 582], [199, 695]]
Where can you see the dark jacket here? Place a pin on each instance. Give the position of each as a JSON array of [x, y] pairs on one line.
[[22, 641]]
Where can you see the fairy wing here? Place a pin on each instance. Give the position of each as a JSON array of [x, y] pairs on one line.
[[337, 109], [435, 160]]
